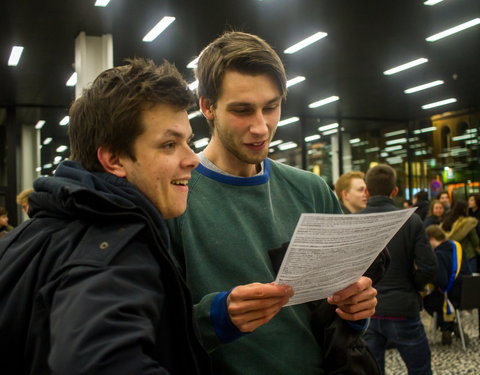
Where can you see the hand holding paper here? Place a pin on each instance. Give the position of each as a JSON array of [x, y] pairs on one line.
[[330, 252]]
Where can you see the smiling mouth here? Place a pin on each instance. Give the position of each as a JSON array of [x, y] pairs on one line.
[[180, 182]]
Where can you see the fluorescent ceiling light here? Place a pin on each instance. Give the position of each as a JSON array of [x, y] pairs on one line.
[[439, 103], [277, 142], [158, 28], [328, 127], [354, 140], [201, 143], [48, 165], [64, 121], [463, 137], [432, 2], [319, 103], [306, 42], [405, 66], [193, 64], [453, 30], [396, 132], [194, 114], [373, 149], [295, 80], [15, 55], [396, 141], [192, 86], [57, 159], [39, 124], [47, 140], [328, 132], [61, 148], [312, 138], [72, 81], [288, 121], [393, 148], [287, 146], [425, 130], [423, 87], [38, 169], [101, 3]]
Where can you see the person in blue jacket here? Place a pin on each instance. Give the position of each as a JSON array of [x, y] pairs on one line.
[[87, 286]]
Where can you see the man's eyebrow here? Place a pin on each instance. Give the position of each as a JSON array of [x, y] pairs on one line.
[[274, 100], [176, 134]]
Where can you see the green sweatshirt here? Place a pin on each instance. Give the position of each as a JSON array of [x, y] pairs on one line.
[[222, 241]]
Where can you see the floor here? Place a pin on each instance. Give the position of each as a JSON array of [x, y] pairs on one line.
[[446, 360]]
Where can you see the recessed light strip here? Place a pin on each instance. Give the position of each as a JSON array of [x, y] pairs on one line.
[[439, 103], [306, 42], [328, 127], [423, 87], [295, 80], [158, 29], [287, 121], [405, 66], [101, 3], [321, 102], [15, 55], [72, 81], [453, 30], [432, 2]]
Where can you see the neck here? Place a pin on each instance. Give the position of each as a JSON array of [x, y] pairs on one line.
[[226, 161]]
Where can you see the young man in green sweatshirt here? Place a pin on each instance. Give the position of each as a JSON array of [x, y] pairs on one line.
[[242, 204]]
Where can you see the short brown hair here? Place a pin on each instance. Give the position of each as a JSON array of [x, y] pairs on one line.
[[436, 232], [108, 114], [381, 180], [239, 52], [344, 182], [22, 197]]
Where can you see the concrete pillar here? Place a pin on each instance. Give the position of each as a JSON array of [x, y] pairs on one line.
[[93, 55], [30, 159]]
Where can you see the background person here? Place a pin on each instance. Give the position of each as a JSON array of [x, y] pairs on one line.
[[451, 266], [435, 213], [4, 226], [87, 286], [351, 191], [445, 199], [22, 199], [462, 228], [412, 266], [241, 205]]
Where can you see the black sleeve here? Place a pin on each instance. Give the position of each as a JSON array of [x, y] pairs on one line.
[[103, 318]]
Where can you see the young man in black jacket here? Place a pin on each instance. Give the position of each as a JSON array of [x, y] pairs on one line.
[[412, 266], [87, 286]]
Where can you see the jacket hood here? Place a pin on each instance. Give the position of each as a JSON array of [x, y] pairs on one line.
[[75, 192], [461, 227]]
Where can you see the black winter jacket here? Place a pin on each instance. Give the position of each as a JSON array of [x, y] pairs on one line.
[[87, 285], [412, 265]]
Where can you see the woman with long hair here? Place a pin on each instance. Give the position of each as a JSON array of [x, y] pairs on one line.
[[436, 213], [462, 228]]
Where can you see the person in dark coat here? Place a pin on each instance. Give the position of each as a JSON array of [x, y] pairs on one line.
[[452, 265], [87, 285], [412, 266]]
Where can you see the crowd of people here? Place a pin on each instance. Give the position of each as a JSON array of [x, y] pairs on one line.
[[143, 257]]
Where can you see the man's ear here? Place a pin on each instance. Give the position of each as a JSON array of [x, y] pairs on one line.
[[344, 195], [207, 108], [367, 193], [110, 162], [394, 192]]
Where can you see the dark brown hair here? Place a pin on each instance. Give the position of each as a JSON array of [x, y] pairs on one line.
[[108, 113], [381, 180], [459, 209], [240, 52]]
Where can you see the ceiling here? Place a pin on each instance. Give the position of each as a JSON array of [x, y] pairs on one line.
[[364, 39]]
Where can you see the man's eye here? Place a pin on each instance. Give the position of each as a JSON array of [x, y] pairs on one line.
[[169, 145]]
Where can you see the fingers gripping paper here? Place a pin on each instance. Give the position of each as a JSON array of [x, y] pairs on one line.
[[329, 252]]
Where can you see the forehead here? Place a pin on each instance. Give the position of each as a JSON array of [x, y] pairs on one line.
[[165, 118], [244, 87], [357, 182]]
